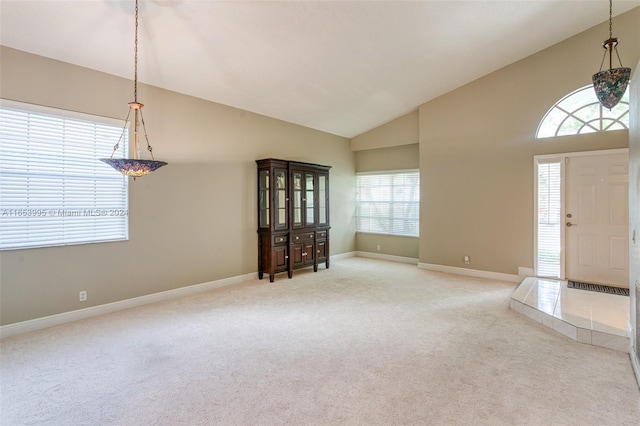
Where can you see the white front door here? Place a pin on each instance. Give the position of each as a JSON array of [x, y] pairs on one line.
[[597, 219]]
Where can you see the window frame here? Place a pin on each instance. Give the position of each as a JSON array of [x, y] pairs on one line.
[[94, 205], [602, 122], [541, 242], [359, 215]]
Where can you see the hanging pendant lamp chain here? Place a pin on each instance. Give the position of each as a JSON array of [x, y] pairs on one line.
[[135, 85], [134, 167], [610, 15], [135, 104], [615, 46], [610, 85], [124, 129], [149, 148], [612, 43], [135, 59]]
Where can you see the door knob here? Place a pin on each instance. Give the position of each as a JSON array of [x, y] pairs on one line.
[[569, 224]]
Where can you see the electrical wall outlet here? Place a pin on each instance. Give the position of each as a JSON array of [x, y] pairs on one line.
[[378, 247], [466, 259], [82, 296]]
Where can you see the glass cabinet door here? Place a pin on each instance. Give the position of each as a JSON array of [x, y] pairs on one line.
[[263, 198], [293, 216], [322, 200], [280, 199], [309, 198], [297, 199]]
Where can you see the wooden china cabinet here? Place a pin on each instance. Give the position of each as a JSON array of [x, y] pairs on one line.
[[293, 216]]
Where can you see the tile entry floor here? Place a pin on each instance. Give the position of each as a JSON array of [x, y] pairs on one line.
[[599, 319]]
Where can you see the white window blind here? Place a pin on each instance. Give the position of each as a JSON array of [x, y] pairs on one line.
[[549, 219], [53, 188], [388, 203]]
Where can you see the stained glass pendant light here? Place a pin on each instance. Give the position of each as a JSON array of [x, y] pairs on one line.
[[134, 167], [611, 84]]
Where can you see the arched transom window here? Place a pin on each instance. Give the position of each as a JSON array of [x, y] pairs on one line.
[[580, 112]]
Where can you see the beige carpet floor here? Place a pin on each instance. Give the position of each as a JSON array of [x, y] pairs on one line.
[[366, 342]]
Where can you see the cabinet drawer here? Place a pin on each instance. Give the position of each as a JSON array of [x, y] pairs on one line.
[[280, 239], [303, 237], [321, 234]]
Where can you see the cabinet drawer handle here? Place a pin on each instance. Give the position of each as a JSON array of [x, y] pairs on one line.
[[286, 257], [304, 254], [318, 251], [297, 238]]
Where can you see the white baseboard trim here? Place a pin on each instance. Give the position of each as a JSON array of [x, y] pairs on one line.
[[633, 355], [470, 272], [389, 257], [524, 272], [635, 362], [343, 255], [93, 311]]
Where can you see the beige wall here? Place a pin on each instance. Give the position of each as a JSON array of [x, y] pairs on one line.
[[401, 131], [192, 221], [389, 245], [404, 157], [477, 146]]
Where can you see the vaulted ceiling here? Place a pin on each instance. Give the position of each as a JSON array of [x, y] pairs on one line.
[[343, 67]]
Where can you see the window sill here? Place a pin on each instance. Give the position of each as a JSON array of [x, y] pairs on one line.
[[388, 235]]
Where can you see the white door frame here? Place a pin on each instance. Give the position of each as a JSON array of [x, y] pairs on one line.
[[561, 157]]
